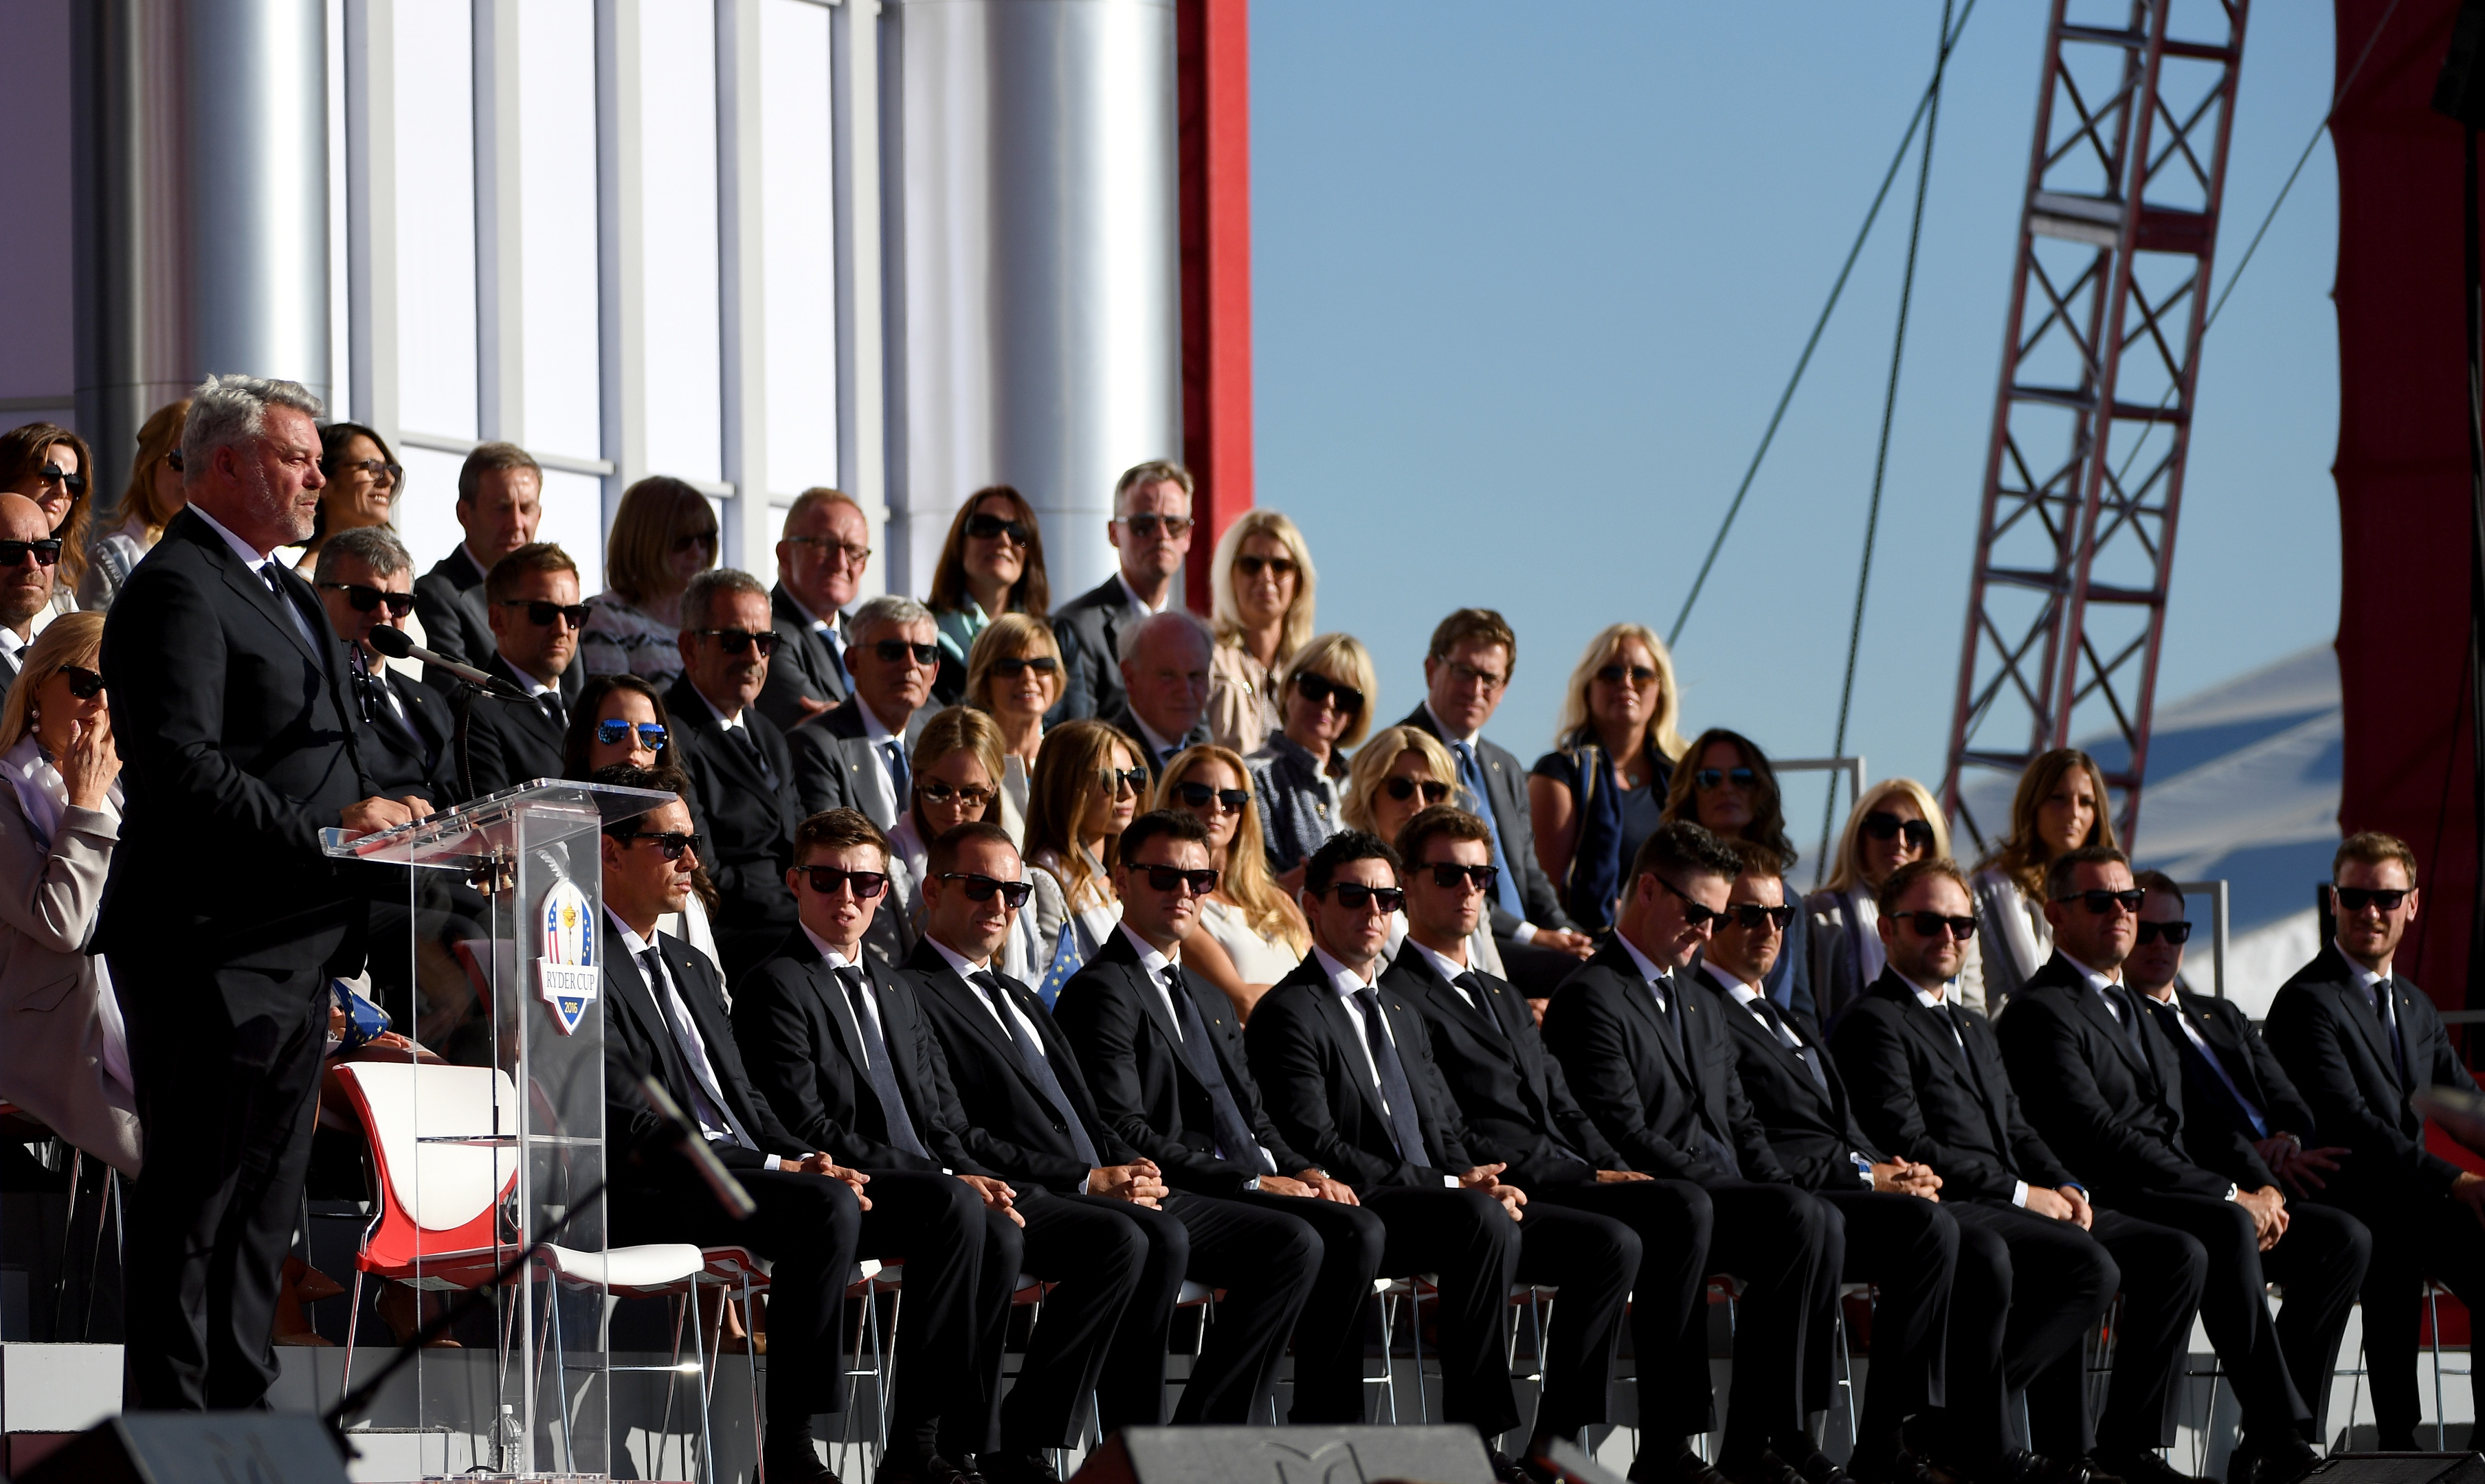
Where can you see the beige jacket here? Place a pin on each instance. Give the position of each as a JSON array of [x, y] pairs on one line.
[[52, 1027]]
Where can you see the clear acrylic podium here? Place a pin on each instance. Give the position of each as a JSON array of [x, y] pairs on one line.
[[502, 944]]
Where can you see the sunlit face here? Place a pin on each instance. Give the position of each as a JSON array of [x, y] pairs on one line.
[[337, 595], [61, 714], [1319, 724], [1264, 580], [1025, 696], [2371, 933], [1466, 685], [540, 649], [1115, 800], [1390, 813], [637, 877], [951, 913], [1454, 910], [1880, 857], [1158, 914], [635, 710], [1727, 806], [950, 792], [841, 915], [823, 554], [1354, 934], [1660, 906], [503, 516], [730, 678], [995, 560], [51, 493], [1749, 953], [1144, 532], [2101, 940], [363, 491], [1626, 700], [1923, 958], [1219, 779], [2065, 816]]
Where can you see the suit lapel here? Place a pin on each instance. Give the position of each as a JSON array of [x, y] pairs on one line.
[[2091, 1009], [1349, 1035], [1753, 1027], [971, 1008], [634, 991], [262, 598], [822, 978]]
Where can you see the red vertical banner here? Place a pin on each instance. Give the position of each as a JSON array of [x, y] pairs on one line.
[[1213, 40], [2402, 471]]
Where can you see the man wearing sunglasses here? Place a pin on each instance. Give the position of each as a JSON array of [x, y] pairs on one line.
[[2359, 1040], [855, 755], [1647, 1055], [29, 558], [1164, 687], [1520, 1114], [2104, 1087], [1151, 531], [531, 598], [500, 502], [1163, 1053], [365, 579], [820, 564]]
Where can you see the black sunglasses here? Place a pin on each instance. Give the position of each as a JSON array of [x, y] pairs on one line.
[[1403, 789], [1172, 877], [1613, 674], [377, 469], [75, 484], [364, 599], [826, 879], [614, 731], [672, 842], [1133, 779], [706, 539], [2350, 899], [46, 553], [984, 527], [1317, 688], [1932, 925], [2177, 934], [541, 611], [1697, 914], [1012, 669], [84, 684], [2102, 901], [1749, 915], [1881, 824], [897, 651], [1448, 874], [735, 641], [940, 792], [1199, 796], [980, 888], [1144, 525], [1708, 778], [1355, 896], [1251, 566]]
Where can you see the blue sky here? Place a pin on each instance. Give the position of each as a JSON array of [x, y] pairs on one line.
[[1528, 279]]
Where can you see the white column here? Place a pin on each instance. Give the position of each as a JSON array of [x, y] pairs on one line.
[[742, 281], [500, 237], [623, 260], [854, 32]]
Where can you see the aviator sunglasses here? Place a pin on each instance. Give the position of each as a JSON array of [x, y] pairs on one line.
[[616, 730]]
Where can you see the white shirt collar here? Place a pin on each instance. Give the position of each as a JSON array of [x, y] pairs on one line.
[[1743, 993], [729, 722], [1130, 595], [1443, 727], [2098, 981], [837, 959], [958, 962], [1341, 979], [1442, 963], [1155, 964], [805, 608], [1648, 972], [630, 943], [2365, 979], [872, 731], [251, 555], [1930, 999]]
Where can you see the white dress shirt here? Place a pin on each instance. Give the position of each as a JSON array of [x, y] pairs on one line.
[[839, 960], [1782, 1031], [259, 562], [714, 1126], [1449, 969], [1346, 983], [1153, 964], [965, 968]]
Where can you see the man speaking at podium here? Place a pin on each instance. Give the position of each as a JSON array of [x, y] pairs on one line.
[[222, 919]]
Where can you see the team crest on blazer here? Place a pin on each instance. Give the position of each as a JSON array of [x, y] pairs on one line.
[[568, 975]]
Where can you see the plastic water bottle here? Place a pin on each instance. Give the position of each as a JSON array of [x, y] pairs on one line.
[[512, 1441]]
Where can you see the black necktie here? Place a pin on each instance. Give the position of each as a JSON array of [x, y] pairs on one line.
[[1474, 989], [550, 701], [275, 584], [750, 750], [694, 1051], [1039, 1069], [872, 1042], [1406, 1129], [1234, 1137], [2133, 1031], [1669, 1005], [2387, 1009], [1805, 1052]]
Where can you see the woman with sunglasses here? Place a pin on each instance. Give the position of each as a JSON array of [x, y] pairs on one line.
[[1602, 788], [1400, 773], [1724, 784], [49, 465], [2061, 806], [1327, 694], [991, 564], [955, 772], [1014, 676], [65, 1055], [621, 718], [1262, 580], [364, 482], [1087, 789], [152, 498], [1251, 934], [1894, 823], [664, 534]]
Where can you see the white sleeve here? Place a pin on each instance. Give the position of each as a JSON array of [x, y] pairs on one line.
[[2019, 1194]]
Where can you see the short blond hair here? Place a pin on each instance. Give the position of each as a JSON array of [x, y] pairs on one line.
[[1372, 765], [1341, 657], [1605, 649], [72, 638], [2368, 847], [1297, 630], [1850, 871]]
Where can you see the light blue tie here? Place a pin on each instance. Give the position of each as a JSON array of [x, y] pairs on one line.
[[1471, 777]]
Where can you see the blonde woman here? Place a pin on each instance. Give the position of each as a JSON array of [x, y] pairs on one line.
[[1087, 789], [1328, 694], [1252, 935], [65, 1055], [1400, 773], [664, 534], [1894, 823], [1602, 788], [1261, 580], [152, 498], [2061, 806], [1014, 676]]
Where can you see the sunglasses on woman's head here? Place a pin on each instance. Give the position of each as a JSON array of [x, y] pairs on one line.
[[1012, 669], [828, 879], [1403, 789], [2178, 933], [1252, 566], [1708, 778], [1355, 896], [364, 599], [84, 684], [984, 528], [1448, 874], [1171, 877], [614, 731], [1932, 925], [980, 888], [1614, 674], [1199, 794], [1883, 825], [940, 792], [1134, 781], [1317, 688], [541, 611]]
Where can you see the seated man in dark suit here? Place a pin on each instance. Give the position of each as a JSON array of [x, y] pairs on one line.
[[365, 579], [856, 755], [1348, 1068], [500, 502], [1164, 687], [1467, 671], [26, 587], [1518, 1111], [820, 562], [532, 599], [1085, 1192], [1647, 1056], [741, 773], [1898, 1237], [2360, 1041], [841, 1053], [1927, 1084], [665, 1017], [1151, 528], [2106, 1091]]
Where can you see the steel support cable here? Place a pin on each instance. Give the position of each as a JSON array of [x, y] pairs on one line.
[[1881, 453], [1898, 158]]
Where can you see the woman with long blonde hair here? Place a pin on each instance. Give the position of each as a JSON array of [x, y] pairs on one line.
[[1601, 790], [149, 501], [1087, 789], [1261, 580], [1400, 772], [1896, 822], [2061, 806], [1252, 935]]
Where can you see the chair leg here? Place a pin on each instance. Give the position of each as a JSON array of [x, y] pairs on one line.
[[702, 1350], [1415, 1327], [353, 1328], [68, 1235], [2432, 1322], [673, 1378], [750, 1355]]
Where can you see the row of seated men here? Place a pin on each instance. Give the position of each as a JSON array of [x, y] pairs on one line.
[[1667, 1122]]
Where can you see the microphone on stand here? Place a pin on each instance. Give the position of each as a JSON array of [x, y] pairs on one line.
[[394, 643]]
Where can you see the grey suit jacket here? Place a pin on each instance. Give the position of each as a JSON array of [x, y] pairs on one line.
[[803, 667], [51, 992], [834, 766], [1089, 630], [449, 599], [1507, 782]]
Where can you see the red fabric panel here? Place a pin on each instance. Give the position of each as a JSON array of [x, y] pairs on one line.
[[2403, 476], [1213, 40]]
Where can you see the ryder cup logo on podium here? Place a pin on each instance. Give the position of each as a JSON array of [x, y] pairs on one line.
[[569, 973]]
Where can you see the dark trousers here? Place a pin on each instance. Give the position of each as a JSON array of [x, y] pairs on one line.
[[227, 1106], [1777, 1241], [1465, 1238], [1592, 1259], [934, 1223], [1909, 1249], [1265, 1260], [2417, 1235], [809, 1228], [2027, 1291], [2163, 1273], [1673, 1220], [1329, 1333], [2321, 1260], [1092, 1251], [1535, 972]]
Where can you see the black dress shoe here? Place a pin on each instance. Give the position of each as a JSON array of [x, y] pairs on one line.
[[924, 1468], [2280, 1460], [2018, 1466], [796, 1462], [1684, 1468], [2141, 1467], [1769, 1468]]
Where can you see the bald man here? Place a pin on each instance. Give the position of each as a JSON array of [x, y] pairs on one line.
[[31, 556], [1165, 683]]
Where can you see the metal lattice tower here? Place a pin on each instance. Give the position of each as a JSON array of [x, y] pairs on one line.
[[2075, 547]]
